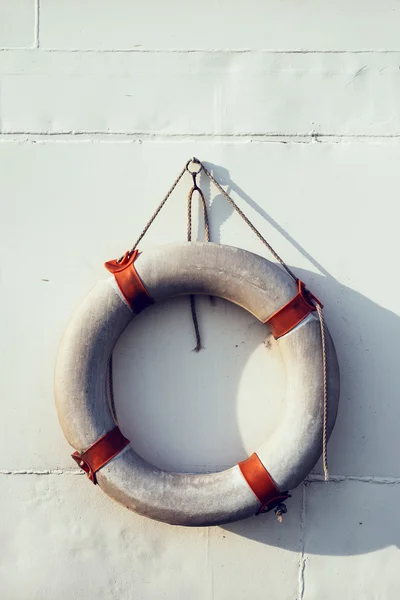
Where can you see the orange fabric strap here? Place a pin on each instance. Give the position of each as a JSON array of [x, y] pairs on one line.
[[101, 452], [129, 282], [292, 313], [261, 483]]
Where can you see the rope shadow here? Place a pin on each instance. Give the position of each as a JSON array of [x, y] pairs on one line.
[[345, 516], [338, 518], [368, 381], [221, 210]]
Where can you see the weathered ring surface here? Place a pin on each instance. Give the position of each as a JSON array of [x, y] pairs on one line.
[[259, 286]]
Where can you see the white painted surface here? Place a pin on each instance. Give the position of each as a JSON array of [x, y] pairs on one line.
[[69, 202], [363, 550], [218, 24], [222, 93], [18, 24]]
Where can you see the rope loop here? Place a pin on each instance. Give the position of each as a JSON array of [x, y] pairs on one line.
[[195, 188]]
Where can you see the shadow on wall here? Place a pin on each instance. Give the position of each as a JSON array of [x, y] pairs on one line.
[[195, 406]]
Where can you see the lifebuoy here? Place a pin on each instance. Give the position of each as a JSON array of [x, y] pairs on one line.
[[259, 286]]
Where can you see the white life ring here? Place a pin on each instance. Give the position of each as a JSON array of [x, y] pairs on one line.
[[262, 288]]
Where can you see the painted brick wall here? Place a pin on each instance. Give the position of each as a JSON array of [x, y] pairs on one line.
[[295, 106]]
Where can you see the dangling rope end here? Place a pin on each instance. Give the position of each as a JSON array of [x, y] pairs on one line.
[[325, 393], [280, 510], [198, 346]]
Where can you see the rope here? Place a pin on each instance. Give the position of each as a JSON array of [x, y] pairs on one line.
[[111, 389], [247, 220], [325, 406], [158, 210], [194, 188], [205, 213], [198, 346], [318, 307]]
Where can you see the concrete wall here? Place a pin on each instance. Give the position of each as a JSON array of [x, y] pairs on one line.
[[295, 106]]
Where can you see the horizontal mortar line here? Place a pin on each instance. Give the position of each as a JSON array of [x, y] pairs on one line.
[[42, 472], [201, 50], [33, 48], [311, 479], [99, 136]]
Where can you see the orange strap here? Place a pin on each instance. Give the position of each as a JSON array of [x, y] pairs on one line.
[[261, 483], [101, 452], [129, 282], [292, 313]]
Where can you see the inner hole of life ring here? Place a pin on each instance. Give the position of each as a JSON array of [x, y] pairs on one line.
[[197, 412]]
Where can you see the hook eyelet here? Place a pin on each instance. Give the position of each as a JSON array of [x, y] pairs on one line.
[[195, 161]]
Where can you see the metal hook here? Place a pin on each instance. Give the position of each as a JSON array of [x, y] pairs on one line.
[[195, 161]]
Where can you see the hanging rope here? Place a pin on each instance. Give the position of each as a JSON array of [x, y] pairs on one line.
[[157, 211], [195, 188], [318, 307], [111, 399], [247, 221], [325, 369]]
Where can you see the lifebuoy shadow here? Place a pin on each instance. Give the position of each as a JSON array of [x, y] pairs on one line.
[[348, 516], [190, 411]]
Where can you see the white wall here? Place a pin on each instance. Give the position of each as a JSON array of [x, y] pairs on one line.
[[296, 108]]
